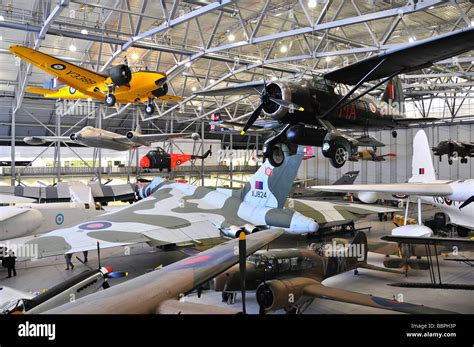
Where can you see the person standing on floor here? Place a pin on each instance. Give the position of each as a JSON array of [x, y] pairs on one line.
[[9, 262], [69, 263]]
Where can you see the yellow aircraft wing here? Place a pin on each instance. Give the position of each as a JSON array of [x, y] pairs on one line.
[[75, 76], [170, 98]]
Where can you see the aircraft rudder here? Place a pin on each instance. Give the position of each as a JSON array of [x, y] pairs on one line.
[[422, 161]]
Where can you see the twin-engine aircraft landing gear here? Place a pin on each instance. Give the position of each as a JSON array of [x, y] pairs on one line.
[[150, 108], [111, 100]]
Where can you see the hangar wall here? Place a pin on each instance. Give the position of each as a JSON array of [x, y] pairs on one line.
[[395, 169]]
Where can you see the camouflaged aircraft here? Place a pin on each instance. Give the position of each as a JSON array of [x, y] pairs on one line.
[[163, 291], [290, 279], [177, 214]]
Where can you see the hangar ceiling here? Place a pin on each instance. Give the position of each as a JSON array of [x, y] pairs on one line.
[[203, 44]]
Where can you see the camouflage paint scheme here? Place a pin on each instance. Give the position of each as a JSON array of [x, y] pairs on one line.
[[301, 271], [328, 214], [162, 291], [179, 214]]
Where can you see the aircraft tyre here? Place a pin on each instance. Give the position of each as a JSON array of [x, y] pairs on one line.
[[462, 232], [339, 155], [110, 100], [276, 155], [149, 109]]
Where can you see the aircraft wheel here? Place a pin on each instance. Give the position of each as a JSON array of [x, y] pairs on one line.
[[450, 161], [110, 100], [149, 109], [463, 160], [339, 157], [462, 232], [394, 134], [276, 156]]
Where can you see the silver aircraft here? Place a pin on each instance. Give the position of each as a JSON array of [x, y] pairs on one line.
[[100, 138]]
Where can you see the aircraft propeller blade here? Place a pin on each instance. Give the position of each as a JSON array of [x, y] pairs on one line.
[[253, 117], [467, 202], [242, 266], [287, 104]]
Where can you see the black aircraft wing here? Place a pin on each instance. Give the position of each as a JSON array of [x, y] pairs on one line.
[[407, 58], [254, 87]]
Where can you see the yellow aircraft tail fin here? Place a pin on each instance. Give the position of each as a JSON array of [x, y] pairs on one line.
[[65, 92], [45, 92]]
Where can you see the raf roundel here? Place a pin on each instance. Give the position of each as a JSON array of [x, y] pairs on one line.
[[95, 225], [59, 219], [58, 66]]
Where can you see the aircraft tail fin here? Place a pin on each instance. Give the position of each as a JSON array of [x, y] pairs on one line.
[[360, 240], [422, 161], [270, 185], [394, 93], [348, 178]]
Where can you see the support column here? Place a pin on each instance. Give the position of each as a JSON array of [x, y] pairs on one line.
[[13, 135]]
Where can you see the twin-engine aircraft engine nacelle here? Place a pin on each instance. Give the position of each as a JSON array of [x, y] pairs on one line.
[[120, 75], [289, 91], [250, 228], [163, 90], [367, 197], [281, 294]]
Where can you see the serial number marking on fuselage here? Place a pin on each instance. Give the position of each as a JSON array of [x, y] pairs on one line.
[[259, 194], [81, 78]]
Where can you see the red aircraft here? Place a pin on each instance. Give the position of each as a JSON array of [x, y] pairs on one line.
[[160, 159]]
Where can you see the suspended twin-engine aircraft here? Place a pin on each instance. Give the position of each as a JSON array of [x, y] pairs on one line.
[[310, 110], [100, 138], [117, 84]]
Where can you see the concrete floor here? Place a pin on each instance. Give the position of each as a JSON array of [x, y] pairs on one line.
[[44, 273]]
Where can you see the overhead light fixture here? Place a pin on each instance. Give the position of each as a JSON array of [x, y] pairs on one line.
[[2, 18], [134, 56], [212, 81], [193, 89], [472, 23], [72, 48], [431, 7], [283, 49], [274, 78], [84, 32], [328, 59], [259, 61], [200, 108], [231, 37], [188, 64], [412, 39], [1, 38], [312, 3]]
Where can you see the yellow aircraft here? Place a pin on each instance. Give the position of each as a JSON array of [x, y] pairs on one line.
[[116, 84]]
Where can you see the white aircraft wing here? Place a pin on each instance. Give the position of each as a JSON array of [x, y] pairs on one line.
[[422, 189], [146, 139]]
